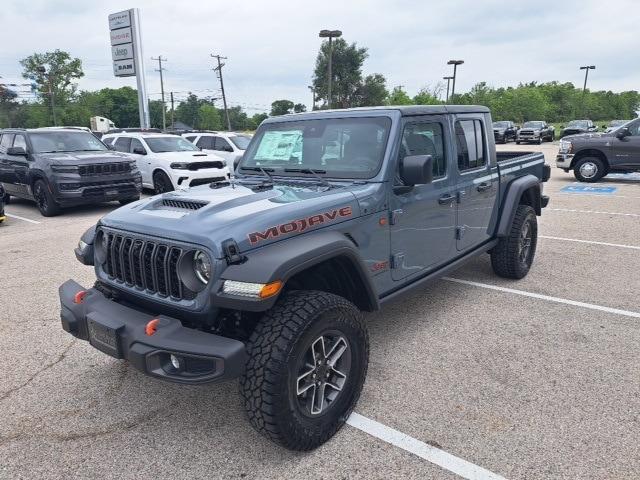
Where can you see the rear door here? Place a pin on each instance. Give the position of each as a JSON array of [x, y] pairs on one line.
[[627, 150], [20, 165], [476, 183], [136, 149], [7, 169], [423, 216]]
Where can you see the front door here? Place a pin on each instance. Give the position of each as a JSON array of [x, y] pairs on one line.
[[626, 150], [139, 153], [477, 182], [423, 216]]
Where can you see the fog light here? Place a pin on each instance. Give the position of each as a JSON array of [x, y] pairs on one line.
[[176, 362]]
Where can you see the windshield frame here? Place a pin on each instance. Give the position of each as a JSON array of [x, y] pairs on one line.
[[33, 135], [150, 140], [286, 125]]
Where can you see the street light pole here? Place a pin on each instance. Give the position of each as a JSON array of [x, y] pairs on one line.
[[455, 64], [448, 79], [586, 69], [313, 93], [330, 34]]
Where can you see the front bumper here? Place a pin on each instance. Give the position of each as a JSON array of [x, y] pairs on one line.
[[193, 178], [87, 190], [563, 160], [120, 331]]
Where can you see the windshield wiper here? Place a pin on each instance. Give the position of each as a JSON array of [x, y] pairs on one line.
[[264, 171], [315, 173]]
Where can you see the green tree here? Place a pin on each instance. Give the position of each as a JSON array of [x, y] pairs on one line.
[[155, 113], [281, 107], [373, 91], [256, 120], [299, 108], [209, 117], [399, 97]]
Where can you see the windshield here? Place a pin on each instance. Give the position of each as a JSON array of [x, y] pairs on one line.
[[618, 123], [337, 147], [170, 144], [50, 142], [533, 125], [501, 124], [241, 141], [578, 123]]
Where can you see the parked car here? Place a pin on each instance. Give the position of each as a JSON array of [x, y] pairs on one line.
[[168, 162], [59, 167], [2, 199], [228, 145], [578, 126], [266, 278], [535, 132], [613, 124], [591, 156], [504, 131]]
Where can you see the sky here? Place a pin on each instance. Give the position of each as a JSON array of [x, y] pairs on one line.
[[272, 45]]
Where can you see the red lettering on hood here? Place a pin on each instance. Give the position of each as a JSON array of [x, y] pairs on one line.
[[299, 225]]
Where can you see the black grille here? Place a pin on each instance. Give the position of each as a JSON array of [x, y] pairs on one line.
[[147, 265], [105, 168], [201, 165], [183, 204], [203, 181]]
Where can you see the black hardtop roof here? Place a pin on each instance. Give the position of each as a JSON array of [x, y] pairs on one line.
[[405, 111]]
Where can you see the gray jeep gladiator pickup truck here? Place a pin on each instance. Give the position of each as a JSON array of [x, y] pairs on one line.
[[266, 276]]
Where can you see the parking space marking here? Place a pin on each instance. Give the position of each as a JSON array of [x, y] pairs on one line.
[[427, 452], [616, 311], [592, 211], [633, 247], [11, 215]]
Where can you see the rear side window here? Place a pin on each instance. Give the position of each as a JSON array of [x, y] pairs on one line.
[[135, 143], [191, 139], [425, 139], [222, 145], [205, 142], [122, 144], [20, 141], [7, 140], [470, 144]]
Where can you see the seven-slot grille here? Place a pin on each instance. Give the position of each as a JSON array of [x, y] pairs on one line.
[[147, 265], [105, 168]]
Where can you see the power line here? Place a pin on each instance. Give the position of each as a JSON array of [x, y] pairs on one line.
[[218, 69], [160, 69]]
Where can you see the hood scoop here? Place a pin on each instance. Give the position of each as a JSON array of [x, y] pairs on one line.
[[183, 204]]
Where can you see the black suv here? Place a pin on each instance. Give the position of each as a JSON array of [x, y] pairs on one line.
[[64, 167], [575, 127], [504, 131]]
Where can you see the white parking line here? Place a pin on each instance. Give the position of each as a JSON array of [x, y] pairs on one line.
[[427, 452], [592, 211], [617, 311], [633, 247], [10, 215]]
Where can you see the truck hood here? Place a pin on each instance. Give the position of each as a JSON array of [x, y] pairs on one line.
[[83, 158], [587, 136], [187, 156], [250, 216]]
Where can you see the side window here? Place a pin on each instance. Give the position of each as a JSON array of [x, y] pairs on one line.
[[470, 144], [135, 143], [634, 128], [222, 145], [205, 142], [122, 144], [7, 140], [20, 141], [191, 139], [425, 139]]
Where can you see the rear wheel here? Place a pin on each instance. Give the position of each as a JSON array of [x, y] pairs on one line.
[[513, 256], [44, 200], [307, 363], [162, 183], [589, 169]]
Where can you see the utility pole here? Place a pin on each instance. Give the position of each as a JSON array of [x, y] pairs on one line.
[[43, 70], [455, 63], [172, 122], [586, 69], [313, 93], [224, 97], [330, 34], [448, 79], [160, 69]]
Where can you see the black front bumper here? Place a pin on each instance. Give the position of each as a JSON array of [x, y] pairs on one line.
[[72, 190], [120, 331]]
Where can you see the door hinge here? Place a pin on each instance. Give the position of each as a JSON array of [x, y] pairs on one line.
[[460, 232], [395, 214], [397, 260]]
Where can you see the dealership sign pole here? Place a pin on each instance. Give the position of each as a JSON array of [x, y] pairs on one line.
[[126, 52]]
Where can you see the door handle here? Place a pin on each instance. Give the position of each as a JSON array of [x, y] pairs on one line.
[[484, 186], [445, 199]]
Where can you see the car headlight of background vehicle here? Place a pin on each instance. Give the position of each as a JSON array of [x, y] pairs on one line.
[[180, 166], [565, 146], [202, 266]]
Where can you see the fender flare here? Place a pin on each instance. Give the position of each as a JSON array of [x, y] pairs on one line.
[[512, 199], [282, 260]]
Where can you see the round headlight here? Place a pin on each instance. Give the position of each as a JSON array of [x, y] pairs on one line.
[[202, 266]]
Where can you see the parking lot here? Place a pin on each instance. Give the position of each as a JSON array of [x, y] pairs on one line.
[[472, 376]]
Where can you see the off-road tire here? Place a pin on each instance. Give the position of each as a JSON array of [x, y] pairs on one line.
[[126, 201], [161, 183], [44, 200], [506, 257], [278, 345], [599, 165]]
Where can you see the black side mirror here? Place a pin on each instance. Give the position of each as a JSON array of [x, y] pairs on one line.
[[139, 151], [417, 170], [17, 151], [623, 132], [228, 149]]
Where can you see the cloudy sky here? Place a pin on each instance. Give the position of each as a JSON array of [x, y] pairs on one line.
[[271, 45]]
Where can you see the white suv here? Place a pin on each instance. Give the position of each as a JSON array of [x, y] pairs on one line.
[[228, 145], [169, 162]]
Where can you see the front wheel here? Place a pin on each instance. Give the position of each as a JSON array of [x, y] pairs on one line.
[[513, 256], [44, 200], [308, 359], [161, 183], [589, 169]]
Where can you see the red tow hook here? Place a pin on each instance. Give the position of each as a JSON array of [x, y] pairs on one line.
[[152, 326], [79, 297]]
